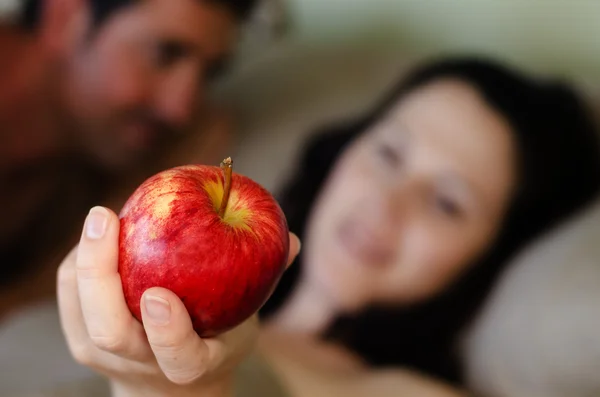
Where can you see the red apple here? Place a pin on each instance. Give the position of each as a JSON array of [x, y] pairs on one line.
[[215, 238]]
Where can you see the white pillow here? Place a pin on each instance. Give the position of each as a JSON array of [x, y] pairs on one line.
[[539, 334]]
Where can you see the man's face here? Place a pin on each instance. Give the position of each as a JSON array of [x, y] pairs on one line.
[[139, 79]]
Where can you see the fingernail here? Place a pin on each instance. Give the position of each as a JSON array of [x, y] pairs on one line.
[[158, 309], [96, 222]]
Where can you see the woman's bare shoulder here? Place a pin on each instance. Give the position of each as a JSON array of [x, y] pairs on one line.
[[401, 382], [312, 368]]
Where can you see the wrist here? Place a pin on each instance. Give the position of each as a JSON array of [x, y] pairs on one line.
[[222, 387]]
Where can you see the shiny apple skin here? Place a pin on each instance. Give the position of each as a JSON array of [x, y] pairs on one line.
[[223, 270]]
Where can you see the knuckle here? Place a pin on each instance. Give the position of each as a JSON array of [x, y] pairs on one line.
[[88, 273], [114, 344], [172, 341], [170, 351], [184, 376], [166, 344], [65, 275], [83, 353], [183, 359]]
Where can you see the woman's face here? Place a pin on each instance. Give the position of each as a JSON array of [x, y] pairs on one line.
[[412, 202]]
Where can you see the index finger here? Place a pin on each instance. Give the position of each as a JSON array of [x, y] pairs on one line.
[[109, 322]]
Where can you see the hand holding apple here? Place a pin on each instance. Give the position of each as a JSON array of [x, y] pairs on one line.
[[159, 357], [216, 239]]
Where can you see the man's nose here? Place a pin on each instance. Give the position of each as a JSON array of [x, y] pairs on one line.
[[178, 99]]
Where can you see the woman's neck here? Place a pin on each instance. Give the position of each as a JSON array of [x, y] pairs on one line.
[[308, 311]]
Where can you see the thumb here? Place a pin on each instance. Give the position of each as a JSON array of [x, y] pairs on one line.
[[181, 354]]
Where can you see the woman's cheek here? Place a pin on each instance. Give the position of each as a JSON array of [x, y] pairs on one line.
[[433, 257]]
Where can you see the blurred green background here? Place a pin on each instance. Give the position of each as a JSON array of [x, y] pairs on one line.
[[557, 36]]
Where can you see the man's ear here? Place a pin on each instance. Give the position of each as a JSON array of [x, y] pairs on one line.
[[63, 25]]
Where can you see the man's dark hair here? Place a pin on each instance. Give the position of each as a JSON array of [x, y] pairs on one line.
[[102, 9]]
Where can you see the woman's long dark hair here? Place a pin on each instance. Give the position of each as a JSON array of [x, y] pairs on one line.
[[558, 174]]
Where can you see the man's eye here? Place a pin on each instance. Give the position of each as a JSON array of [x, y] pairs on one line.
[[216, 69], [166, 54]]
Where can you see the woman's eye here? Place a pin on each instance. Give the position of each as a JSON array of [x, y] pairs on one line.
[[389, 155], [447, 206]]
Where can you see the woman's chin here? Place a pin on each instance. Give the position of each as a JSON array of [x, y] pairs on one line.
[[348, 297]]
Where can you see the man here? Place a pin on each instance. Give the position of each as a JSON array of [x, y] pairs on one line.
[[93, 94]]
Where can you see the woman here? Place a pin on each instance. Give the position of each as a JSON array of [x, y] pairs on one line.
[[408, 214]]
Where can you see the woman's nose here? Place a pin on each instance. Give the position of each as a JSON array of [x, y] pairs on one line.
[[391, 207]]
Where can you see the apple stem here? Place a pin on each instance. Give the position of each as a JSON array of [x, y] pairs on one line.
[[226, 166]]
